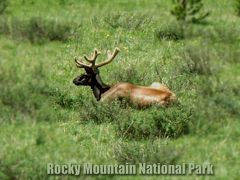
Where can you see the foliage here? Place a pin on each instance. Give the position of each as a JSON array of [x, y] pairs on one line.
[[170, 32], [27, 98], [166, 122], [197, 61], [220, 97], [189, 11], [135, 21], [45, 118], [148, 152], [37, 29], [101, 112], [53, 30], [131, 74], [138, 124], [237, 7], [3, 5]]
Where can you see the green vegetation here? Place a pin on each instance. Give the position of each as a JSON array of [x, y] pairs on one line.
[[3, 5], [45, 118], [189, 11], [238, 7], [37, 29]]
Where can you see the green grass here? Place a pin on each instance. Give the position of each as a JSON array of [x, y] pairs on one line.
[[45, 118]]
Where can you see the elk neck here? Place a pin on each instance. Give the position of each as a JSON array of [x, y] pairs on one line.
[[98, 86]]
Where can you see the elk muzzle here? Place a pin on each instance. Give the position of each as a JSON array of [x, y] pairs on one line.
[[84, 80]]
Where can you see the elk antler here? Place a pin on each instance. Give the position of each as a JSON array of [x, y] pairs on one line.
[[92, 60], [81, 64], [110, 57]]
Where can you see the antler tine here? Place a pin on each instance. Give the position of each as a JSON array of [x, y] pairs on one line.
[[110, 57], [95, 54], [81, 64]]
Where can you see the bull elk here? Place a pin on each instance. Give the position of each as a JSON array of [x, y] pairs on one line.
[[141, 96]]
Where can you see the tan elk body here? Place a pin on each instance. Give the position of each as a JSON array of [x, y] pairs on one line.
[[142, 96]]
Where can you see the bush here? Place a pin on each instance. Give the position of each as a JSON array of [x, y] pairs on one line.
[[101, 112], [147, 152], [62, 98], [230, 54], [197, 61], [237, 7], [41, 29], [189, 11], [154, 122], [135, 21], [3, 25], [222, 96], [7, 171], [131, 74], [170, 32], [18, 29], [3, 5], [37, 29], [24, 98], [216, 101], [226, 33], [222, 32]]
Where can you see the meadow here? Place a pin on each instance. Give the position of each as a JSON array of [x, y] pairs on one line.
[[45, 118]]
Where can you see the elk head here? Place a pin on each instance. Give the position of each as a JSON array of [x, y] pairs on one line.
[[91, 77]]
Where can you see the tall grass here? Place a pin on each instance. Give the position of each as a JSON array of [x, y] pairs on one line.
[[198, 61], [148, 152], [237, 7], [132, 123], [171, 31], [3, 5], [93, 111], [45, 118], [136, 21], [155, 122], [37, 29], [216, 101]]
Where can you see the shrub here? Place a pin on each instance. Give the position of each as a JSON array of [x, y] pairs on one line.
[[197, 61], [97, 112], [186, 12], [7, 171], [237, 7], [21, 99], [24, 98], [154, 122], [223, 95], [216, 101], [170, 32], [4, 28], [230, 54], [135, 21], [189, 11], [221, 32], [62, 2], [147, 152], [226, 34], [131, 74], [41, 29], [3, 5], [18, 29], [37, 29], [62, 98]]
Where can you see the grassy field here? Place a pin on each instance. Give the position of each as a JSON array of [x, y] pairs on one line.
[[45, 118]]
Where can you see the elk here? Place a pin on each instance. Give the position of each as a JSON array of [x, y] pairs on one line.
[[141, 96]]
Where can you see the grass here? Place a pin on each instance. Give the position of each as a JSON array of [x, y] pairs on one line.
[[37, 29], [45, 118]]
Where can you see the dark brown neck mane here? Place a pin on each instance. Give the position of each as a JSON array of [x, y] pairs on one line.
[[98, 86]]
